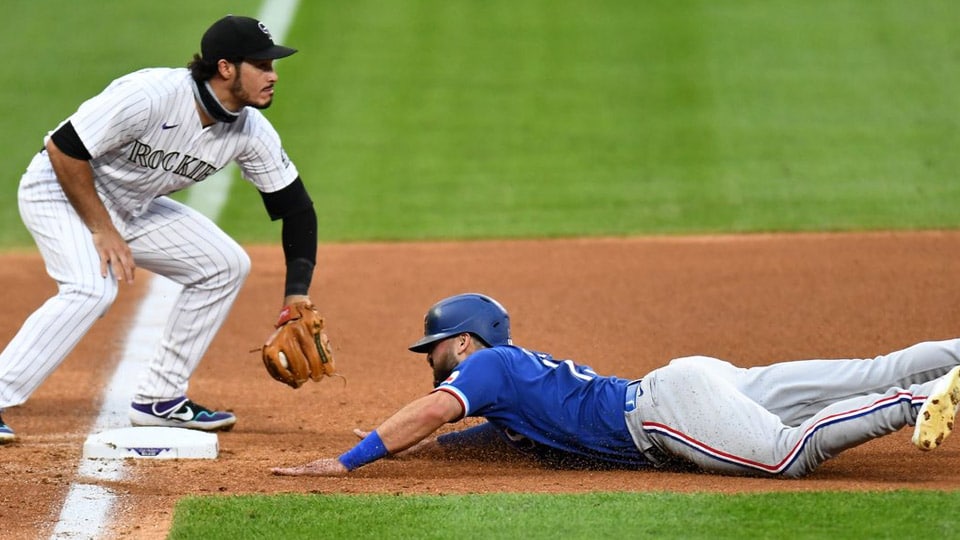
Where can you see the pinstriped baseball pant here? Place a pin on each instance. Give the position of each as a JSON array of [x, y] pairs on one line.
[[169, 239]]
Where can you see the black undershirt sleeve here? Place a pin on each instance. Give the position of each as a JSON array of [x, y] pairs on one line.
[[293, 205], [67, 140]]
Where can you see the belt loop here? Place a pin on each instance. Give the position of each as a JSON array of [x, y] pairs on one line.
[[631, 395]]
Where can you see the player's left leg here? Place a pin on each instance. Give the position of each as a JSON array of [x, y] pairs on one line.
[[795, 391], [188, 248]]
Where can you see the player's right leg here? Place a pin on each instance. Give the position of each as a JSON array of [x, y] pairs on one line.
[[851, 422], [83, 296], [188, 248]]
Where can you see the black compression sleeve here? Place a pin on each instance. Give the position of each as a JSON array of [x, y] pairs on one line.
[[289, 200], [293, 205], [69, 142], [299, 237]]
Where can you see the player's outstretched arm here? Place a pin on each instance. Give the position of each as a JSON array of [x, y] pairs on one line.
[[407, 427], [481, 439]]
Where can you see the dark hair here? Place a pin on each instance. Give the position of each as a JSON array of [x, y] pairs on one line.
[[202, 70]]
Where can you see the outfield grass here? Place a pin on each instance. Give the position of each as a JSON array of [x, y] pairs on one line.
[[562, 118], [832, 515], [427, 119]]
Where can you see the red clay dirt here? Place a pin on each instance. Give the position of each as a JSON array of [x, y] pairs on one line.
[[623, 306]]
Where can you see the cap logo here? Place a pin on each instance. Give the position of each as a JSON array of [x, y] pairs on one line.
[[263, 28]]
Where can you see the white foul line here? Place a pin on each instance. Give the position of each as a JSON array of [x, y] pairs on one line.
[[87, 507]]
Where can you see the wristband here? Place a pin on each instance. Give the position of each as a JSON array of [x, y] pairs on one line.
[[368, 450]]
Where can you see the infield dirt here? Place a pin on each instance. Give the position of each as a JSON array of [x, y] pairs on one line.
[[622, 306]]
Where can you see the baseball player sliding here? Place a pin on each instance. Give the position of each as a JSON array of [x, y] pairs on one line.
[[95, 200], [781, 420]]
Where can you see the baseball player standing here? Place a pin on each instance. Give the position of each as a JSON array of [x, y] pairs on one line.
[[781, 420], [95, 200]]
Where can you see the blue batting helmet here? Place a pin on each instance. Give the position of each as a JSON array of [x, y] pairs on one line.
[[475, 313]]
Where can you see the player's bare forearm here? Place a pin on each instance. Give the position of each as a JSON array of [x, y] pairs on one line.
[[418, 420], [406, 428], [320, 467], [76, 179]]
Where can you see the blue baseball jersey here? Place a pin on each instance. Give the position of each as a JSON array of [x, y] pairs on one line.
[[554, 403]]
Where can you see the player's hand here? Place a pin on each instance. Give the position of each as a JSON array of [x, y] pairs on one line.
[[114, 253], [320, 467]]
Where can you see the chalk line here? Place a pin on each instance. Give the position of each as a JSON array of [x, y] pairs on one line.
[[88, 505]]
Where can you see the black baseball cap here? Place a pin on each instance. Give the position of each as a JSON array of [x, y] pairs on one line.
[[240, 37]]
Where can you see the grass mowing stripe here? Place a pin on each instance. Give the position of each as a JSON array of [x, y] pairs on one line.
[[559, 119], [835, 515]]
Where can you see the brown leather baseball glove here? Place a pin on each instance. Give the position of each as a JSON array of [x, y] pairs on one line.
[[298, 349]]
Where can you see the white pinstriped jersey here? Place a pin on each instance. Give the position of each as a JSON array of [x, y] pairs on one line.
[[145, 137]]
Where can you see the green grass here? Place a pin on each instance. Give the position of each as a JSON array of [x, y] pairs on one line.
[[433, 119], [428, 119], [589, 516], [563, 118]]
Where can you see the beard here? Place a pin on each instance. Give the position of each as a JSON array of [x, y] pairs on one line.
[[440, 375], [242, 96]]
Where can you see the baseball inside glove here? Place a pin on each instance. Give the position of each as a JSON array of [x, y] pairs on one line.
[[298, 350]]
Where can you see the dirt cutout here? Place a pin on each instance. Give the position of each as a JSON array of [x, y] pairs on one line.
[[622, 306]]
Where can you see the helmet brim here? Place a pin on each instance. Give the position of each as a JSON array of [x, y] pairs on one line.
[[424, 344]]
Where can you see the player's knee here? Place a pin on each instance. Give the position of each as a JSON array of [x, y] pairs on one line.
[[243, 266], [236, 272], [231, 273], [94, 297]]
